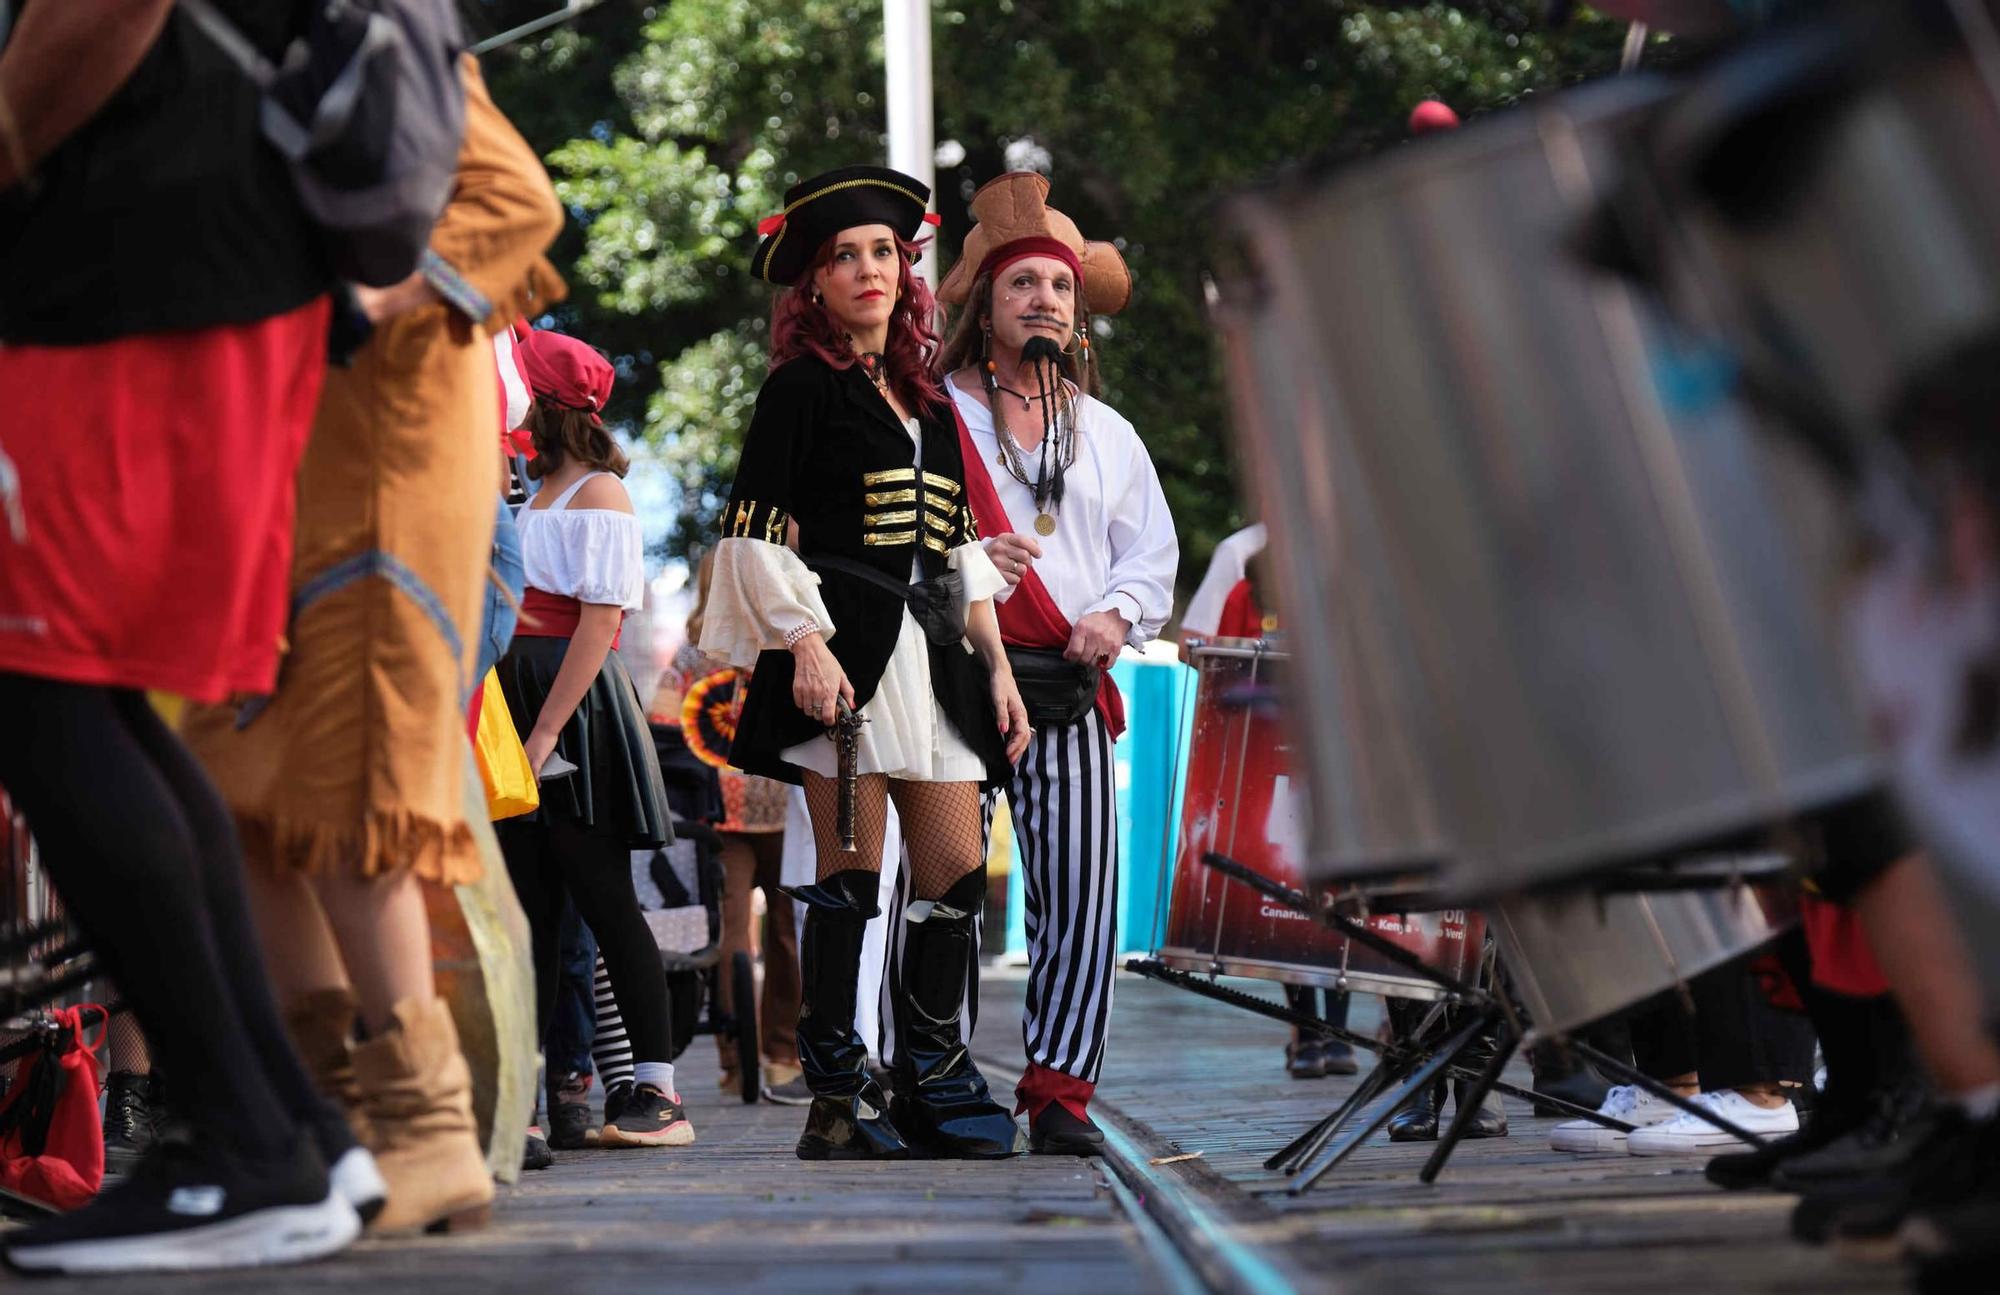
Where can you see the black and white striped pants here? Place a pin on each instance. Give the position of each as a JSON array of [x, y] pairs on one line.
[[1065, 806]]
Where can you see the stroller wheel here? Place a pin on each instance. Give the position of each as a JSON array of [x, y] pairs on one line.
[[749, 1045]]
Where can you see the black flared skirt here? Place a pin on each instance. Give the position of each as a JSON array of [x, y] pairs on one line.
[[616, 789]]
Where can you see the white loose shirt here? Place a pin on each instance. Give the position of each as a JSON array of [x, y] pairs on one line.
[[1114, 545]]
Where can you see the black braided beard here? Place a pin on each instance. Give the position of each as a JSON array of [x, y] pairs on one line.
[[1058, 448]]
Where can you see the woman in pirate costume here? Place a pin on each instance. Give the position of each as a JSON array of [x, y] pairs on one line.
[[850, 575], [1079, 528]]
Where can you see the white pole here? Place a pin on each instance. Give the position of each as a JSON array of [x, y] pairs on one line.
[[906, 54]]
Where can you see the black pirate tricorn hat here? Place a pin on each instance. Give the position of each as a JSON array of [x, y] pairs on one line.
[[817, 209]]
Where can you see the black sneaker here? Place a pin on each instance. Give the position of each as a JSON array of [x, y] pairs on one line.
[[1953, 1160], [536, 1154], [190, 1207], [572, 1127], [650, 1118], [131, 1119], [1895, 1130]]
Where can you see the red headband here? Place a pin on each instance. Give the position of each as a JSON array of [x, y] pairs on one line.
[[1022, 248]]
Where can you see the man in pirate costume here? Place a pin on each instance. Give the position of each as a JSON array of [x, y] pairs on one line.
[[850, 575], [1066, 494]]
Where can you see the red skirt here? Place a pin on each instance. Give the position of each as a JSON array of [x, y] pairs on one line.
[[146, 524]]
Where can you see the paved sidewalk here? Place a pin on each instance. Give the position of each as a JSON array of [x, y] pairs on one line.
[[1507, 1216], [736, 1211]]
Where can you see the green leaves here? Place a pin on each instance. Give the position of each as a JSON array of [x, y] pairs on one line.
[[1148, 111]]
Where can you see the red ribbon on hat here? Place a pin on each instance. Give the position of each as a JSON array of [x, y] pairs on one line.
[[772, 224]]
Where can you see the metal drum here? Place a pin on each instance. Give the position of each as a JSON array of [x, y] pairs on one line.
[[1242, 801], [1578, 955], [1604, 631]]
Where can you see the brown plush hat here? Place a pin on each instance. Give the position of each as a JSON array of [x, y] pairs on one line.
[[1014, 215]]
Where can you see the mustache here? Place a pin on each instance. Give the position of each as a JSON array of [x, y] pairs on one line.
[[1057, 320]]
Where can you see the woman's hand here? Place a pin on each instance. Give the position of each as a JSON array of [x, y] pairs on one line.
[[818, 682], [539, 746], [1013, 715]]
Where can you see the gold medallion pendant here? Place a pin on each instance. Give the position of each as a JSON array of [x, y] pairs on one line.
[[1044, 524]]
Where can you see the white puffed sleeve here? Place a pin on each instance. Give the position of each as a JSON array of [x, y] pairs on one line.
[[982, 580], [757, 593], [607, 552]]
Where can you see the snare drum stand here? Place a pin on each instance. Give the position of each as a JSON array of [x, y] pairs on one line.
[[1404, 1070]]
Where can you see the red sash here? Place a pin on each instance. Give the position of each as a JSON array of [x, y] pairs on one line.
[[1029, 617], [553, 616]]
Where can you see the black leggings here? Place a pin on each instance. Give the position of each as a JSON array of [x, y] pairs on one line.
[[550, 859], [145, 856]]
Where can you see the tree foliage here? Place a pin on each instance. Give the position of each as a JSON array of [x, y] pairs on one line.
[[673, 129]]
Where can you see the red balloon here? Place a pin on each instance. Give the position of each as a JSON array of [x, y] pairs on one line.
[[1432, 115]]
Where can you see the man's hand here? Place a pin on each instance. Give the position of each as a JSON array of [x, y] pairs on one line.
[[379, 304], [1098, 638], [1013, 553]]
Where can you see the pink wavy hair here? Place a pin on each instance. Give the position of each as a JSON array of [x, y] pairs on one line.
[[800, 326]]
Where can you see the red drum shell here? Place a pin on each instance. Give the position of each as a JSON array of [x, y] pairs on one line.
[[1242, 800]]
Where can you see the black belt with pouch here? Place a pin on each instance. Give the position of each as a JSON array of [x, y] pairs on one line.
[[934, 602], [1055, 690]]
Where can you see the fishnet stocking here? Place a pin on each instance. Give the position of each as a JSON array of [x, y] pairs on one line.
[[128, 1050], [943, 832], [871, 820]]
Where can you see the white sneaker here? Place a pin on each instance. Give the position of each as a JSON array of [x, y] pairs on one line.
[[1691, 1135], [1625, 1102]]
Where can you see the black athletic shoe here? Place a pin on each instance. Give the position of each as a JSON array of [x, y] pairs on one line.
[[190, 1207], [131, 1119], [536, 1154], [1891, 1134], [1953, 1161], [572, 1126], [1056, 1132], [649, 1119]]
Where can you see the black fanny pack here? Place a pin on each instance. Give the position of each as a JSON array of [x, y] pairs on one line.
[[1055, 690], [934, 602]]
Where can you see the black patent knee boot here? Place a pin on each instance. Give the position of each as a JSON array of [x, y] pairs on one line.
[[1490, 1120], [942, 1104], [849, 1118]]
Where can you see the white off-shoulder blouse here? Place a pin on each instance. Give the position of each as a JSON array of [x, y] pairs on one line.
[[594, 555]]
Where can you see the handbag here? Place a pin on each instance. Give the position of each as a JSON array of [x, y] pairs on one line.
[[504, 770], [51, 1136], [1054, 690]]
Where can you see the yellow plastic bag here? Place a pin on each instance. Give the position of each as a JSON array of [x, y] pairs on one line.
[[503, 763]]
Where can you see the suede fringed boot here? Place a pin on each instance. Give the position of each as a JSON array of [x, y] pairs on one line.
[[417, 1091], [849, 1119], [942, 1104]]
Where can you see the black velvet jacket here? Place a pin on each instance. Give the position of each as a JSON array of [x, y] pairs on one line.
[[825, 451]]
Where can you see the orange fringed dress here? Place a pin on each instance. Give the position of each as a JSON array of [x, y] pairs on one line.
[[358, 758]]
